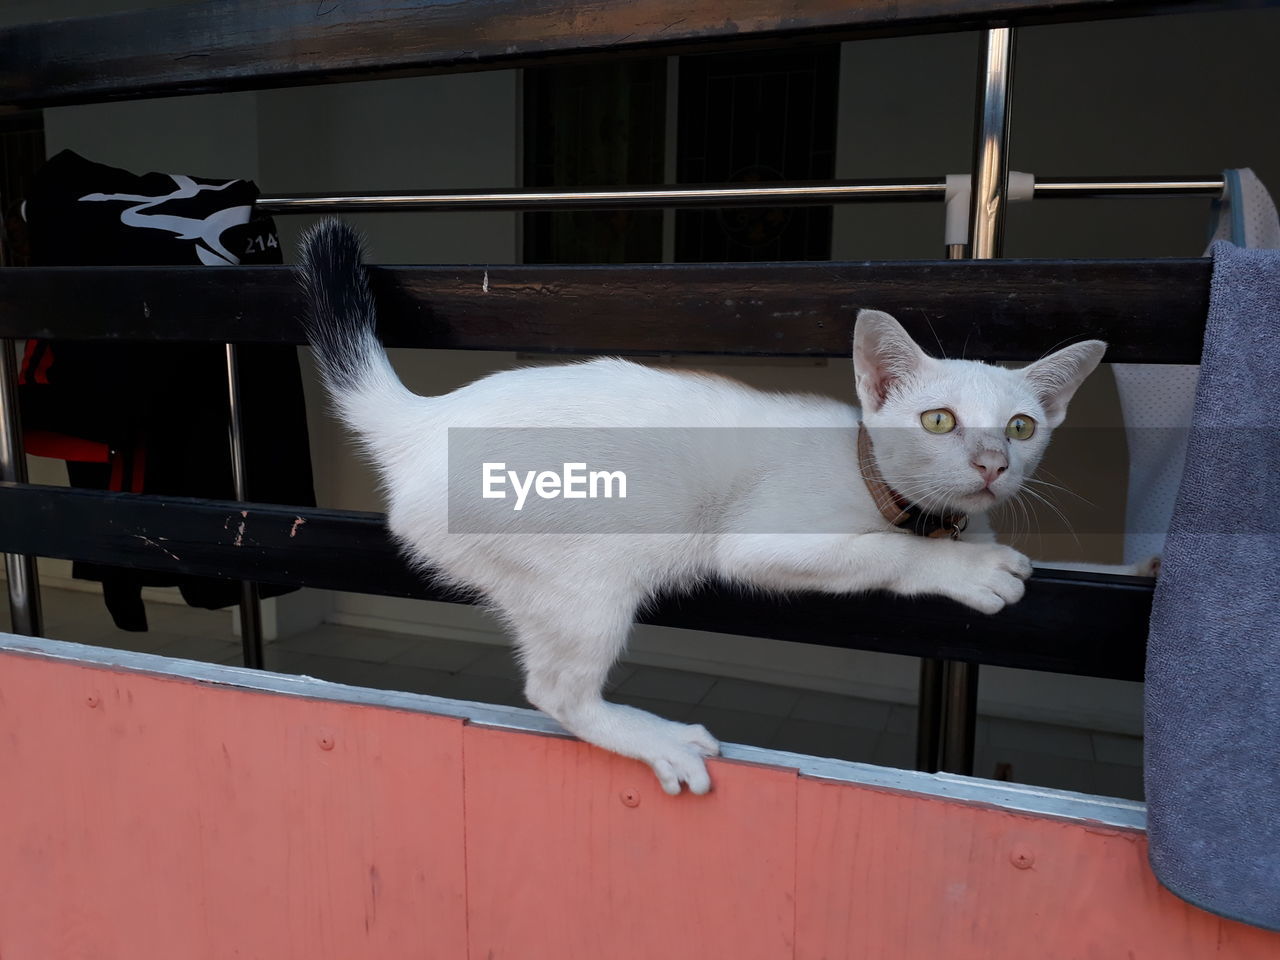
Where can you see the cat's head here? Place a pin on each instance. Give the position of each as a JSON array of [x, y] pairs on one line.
[[959, 435]]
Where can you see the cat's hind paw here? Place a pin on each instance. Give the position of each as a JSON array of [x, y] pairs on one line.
[[693, 742], [681, 766], [698, 737], [676, 753], [693, 735], [1149, 567]]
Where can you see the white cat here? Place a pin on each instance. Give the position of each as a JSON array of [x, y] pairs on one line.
[[791, 508]]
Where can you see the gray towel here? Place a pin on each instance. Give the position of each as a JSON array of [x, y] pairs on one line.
[[1213, 663]]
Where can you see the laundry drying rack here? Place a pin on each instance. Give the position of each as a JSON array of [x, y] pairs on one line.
[[1150, 311]]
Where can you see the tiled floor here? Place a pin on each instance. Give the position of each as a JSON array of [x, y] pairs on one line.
[[740, 711]]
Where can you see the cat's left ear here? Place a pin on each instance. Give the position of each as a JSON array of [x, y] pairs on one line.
[[883, 356], [1056, 378]]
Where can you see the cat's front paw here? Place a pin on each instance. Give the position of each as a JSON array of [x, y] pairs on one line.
[[988, 577]]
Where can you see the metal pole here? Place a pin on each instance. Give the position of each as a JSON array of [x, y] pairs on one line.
[[23, 583], [991, 150], [1056, 187], [929, 726], [835, 191], [25, 615], [959, 716], [595, 197], [959, 681], [250, 603], [930, 720]]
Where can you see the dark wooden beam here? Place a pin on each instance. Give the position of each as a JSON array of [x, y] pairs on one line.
[[1067, 623], [1151, 311], [253, 44]]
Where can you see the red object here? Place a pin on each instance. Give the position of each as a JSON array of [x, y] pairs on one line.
[[59, 446], [41, 372]]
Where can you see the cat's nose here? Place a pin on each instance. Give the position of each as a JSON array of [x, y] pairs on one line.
[[990, 464]]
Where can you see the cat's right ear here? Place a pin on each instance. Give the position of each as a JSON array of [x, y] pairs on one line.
[[883, 354]]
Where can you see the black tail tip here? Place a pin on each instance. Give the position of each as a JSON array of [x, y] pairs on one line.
[[331, 246], [335, 286]]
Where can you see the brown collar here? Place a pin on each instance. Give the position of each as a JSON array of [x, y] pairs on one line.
[[895, 508]]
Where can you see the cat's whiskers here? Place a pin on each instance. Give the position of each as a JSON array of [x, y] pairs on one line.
[[935, 498], [1004, 518], [915, 489], [1021, 503], [941, 349], [1054, 507], [1059, 487]]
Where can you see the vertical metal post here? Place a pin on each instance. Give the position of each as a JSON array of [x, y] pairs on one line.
[[991, 147], [929, 720], [959, 681], [20, 571], [250, 604], [959, 716], [24, 586]]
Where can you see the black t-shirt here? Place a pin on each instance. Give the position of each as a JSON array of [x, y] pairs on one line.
[[155, 416]]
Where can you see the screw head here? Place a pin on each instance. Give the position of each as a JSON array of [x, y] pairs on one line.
[[1022, 858], [92, 700], [326, 741], [630, 797]]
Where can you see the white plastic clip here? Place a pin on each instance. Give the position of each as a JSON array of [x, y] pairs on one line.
[[1022, 186]]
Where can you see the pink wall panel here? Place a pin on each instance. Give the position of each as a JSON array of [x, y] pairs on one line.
[[572, 852], [886, 876], [151, 818], [148, 818]]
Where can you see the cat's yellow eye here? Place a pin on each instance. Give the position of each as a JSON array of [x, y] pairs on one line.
[[938, 421], [1020, 427]]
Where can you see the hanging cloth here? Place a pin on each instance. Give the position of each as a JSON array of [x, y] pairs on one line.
[[148, 417], [1156, 400]]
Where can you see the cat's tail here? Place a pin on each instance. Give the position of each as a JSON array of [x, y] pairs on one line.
[[340, 323]]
